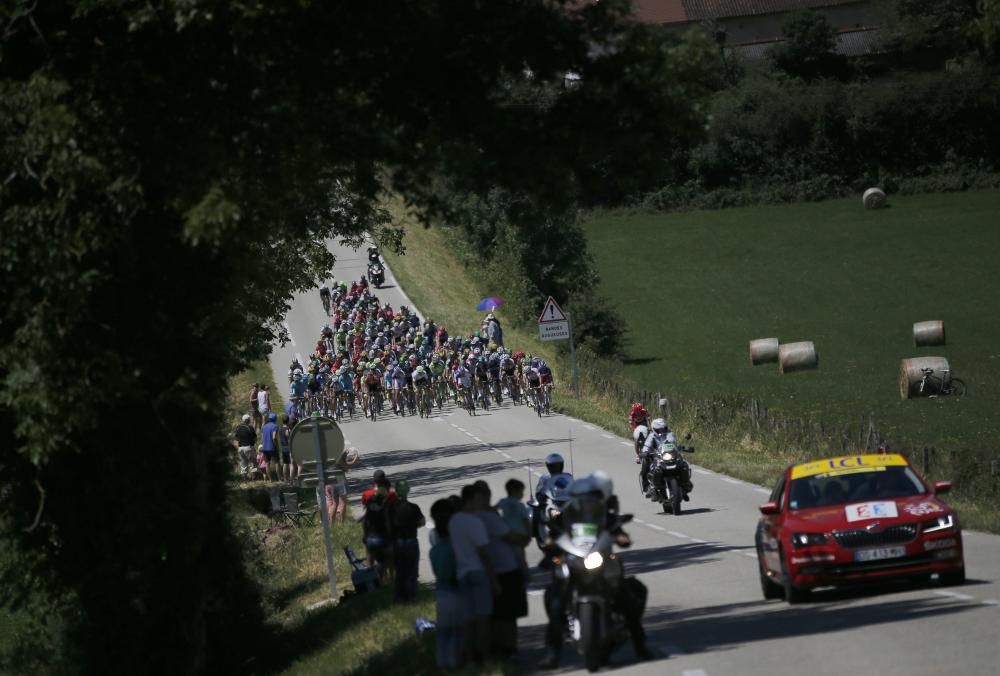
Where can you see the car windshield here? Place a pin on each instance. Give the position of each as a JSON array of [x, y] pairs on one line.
[[836, 488]]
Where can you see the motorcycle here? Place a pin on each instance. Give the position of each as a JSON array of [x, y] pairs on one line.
[[376, 274], [669, 473], [591, 575]]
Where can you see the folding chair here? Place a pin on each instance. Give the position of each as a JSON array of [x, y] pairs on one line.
[[296, 513], [278, 513]]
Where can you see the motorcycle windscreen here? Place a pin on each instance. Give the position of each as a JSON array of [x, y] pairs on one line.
[[586, 517]]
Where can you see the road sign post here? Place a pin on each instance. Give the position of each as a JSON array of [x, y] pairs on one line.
[[327, 445], [554, 324]]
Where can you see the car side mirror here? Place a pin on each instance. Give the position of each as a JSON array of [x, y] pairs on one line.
[[941, 487], [768, 508]]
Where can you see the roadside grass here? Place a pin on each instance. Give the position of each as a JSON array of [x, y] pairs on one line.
[[852, 281]]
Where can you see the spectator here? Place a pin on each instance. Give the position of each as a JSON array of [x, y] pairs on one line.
[[246, 439], [375, 522], [284, 442], [264, 401], [516, 515], [511, 600], [405, 519], [269, 444], [477, 580], [293, 415], [449, 600], [258, 419]]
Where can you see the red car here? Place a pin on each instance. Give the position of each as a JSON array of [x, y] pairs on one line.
[[857, 518]]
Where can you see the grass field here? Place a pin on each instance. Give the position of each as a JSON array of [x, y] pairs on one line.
[[695, 287]]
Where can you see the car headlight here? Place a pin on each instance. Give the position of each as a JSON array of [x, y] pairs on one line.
[[809, 539], [940, 523], [593, 561]]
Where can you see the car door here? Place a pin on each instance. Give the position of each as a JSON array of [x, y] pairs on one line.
[[769, 528]]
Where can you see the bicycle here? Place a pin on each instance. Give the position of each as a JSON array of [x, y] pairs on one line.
[[534, 399], [373, 404], [424, 403], [497, 390], [468, 401], [943, 386]]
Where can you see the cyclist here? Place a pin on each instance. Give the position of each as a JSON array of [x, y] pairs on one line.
[[297, 391], [324, 296], [421, 382], [463, 381], [532, 382], [373, 386], [346, 380]]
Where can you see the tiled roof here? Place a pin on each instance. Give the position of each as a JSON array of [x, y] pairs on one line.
[[697, 10], [660, 11], [849, 43]]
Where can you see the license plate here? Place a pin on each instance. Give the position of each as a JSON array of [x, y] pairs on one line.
[[880, 553]]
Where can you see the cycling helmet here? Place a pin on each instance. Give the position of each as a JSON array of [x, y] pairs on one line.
[[554, 463], [420, 369], [660, 426]]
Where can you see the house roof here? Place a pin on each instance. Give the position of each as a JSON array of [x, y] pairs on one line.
[[660, 11], [849, 43], [697, 10]]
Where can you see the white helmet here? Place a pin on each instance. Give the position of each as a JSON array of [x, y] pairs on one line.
[[660, 426], [598, 482]]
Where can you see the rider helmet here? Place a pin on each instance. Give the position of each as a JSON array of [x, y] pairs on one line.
[[660, 426], [554, 463]]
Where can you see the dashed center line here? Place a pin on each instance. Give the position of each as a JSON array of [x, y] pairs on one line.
[[750, 555], [607, 436], [700, 542], [694, 672], [990, 602], [589, 427], [460, 429], [676, 534], [478, 439], [655, 527]]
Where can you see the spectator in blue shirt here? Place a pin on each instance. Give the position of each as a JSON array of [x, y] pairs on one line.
[[269, 444]]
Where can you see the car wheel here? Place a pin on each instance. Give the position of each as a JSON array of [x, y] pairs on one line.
[[793, 595], [768, 587], [954, 578]]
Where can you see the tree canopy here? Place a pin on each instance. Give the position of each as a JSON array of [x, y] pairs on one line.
[[808, 50], [171, 174]]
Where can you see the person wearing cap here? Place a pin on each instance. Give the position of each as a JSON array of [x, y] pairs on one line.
[[406, 518], [246, 439], [379, 480], [269, 443]]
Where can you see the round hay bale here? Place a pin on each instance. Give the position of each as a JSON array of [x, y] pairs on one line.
[[874, 198], [797, 356], [763, 351], [928, 333], [911, 373]]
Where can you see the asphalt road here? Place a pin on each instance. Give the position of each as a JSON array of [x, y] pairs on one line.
[[705, 614]]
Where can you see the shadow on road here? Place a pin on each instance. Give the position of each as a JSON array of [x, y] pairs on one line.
[[640, 561], [727, 626], [408, 456]]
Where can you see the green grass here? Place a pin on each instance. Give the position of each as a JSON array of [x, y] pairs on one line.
[[850, 280]]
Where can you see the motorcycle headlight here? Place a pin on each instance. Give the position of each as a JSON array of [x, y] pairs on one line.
[[940, 523], [668, 455], [809, 539], [593, 561]]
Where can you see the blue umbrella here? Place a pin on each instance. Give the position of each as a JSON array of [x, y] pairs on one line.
[[489, 304]]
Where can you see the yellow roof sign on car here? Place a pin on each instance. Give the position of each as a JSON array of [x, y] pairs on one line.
[[852, 462]]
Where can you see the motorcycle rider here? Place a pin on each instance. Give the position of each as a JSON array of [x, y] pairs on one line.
[[661, 435], [373, 255], [630, 599], [555, 464], [324, 296]]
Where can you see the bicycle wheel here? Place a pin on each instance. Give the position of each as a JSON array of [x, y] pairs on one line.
[[957, 387]]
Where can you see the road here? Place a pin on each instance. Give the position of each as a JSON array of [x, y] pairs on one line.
[[705, 615]]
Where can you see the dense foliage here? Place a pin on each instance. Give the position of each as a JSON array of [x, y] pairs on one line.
[[171, 174]]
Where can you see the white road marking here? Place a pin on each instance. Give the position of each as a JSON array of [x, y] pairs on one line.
[[469, 434], [289, 330], [656, 527], [460, 429], [676, 534], [589, 427], [607, 436], [694, 672], [954, 595], [437, 419], [990, 602], [700, 471], [638, 520], [507, 455], [625, 443], [453, 425], [731, 481], [700, 542], [763, 490], [750, 555], [478, 439]]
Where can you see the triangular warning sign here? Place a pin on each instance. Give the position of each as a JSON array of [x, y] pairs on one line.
[[552, 312]]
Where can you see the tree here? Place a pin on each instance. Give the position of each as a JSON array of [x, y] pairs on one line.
[[808, 50], [172, 172]]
